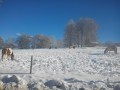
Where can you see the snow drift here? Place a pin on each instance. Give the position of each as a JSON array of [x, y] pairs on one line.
[[64, 69]]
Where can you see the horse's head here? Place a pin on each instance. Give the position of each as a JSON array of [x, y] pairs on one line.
[[106, 50], [12, 56]]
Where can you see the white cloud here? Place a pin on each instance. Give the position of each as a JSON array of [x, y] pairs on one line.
[[18, 34]]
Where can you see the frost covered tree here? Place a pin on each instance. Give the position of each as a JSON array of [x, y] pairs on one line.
[[84, 32], [23, 41], [41, 41], [70, 34], [87, 31]]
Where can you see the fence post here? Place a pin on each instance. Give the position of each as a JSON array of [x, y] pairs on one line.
[[31, 64]]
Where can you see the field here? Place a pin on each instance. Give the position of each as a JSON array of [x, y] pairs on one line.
[[65, 69]]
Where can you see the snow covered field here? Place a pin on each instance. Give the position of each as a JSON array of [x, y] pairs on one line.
[[65, 69]]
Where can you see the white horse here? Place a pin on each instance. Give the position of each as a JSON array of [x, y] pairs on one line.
[[111, 48], [8, 53]]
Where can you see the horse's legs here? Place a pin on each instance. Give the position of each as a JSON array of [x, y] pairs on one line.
[[115, 51], [2, 57], [5, 56], [8, 56]]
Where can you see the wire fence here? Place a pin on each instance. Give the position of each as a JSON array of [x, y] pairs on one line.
[[30, 67]]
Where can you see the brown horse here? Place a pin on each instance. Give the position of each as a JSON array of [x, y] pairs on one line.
[[111, 48], [8, 53]]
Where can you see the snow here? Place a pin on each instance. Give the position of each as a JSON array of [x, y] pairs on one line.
[[66, 69]]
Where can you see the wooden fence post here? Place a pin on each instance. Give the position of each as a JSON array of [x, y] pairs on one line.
[[31, 64]]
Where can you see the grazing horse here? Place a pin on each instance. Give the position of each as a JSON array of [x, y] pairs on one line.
[[8, 53], [111, 48], [72, 47]]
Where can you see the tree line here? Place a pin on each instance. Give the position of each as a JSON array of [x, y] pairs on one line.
[[25, 41], [81, 33]]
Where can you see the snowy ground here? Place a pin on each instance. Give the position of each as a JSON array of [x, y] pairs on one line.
[[77, 68]]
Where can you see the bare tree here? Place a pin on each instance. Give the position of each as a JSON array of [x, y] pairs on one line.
[[87, 30], [70, 34], [24, 41], [82, 32]]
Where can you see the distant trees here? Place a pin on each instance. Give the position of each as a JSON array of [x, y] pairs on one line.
[[10, 42], [41, 41], [23, 41], [84, 32]]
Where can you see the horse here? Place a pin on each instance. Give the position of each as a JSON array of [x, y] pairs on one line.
[[72, 47], [8, 52], [111, 48]]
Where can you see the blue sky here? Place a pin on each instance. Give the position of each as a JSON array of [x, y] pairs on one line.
[[50, 17]]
